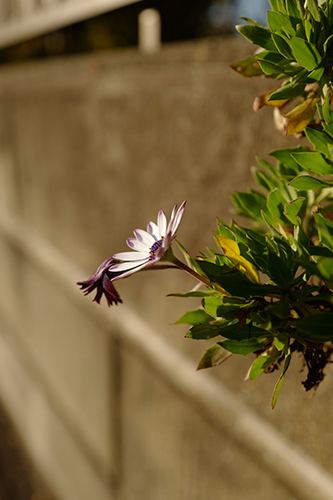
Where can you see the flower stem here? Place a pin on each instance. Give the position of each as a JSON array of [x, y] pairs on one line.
[[170, 257]]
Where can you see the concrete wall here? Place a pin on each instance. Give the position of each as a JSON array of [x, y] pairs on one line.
[[107, 401]]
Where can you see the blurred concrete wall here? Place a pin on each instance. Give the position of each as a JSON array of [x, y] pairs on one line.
[[107, 401]]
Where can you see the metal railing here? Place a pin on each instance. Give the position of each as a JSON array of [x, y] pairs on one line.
[[22, 20]]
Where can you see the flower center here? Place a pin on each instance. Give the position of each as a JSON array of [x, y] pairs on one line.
[[154, 248]]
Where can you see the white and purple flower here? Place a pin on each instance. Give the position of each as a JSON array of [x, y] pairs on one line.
[[149, 246], [101, 281]]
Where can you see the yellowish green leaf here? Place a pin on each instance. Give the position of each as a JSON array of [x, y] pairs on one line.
[[300, 117], [232, 251]]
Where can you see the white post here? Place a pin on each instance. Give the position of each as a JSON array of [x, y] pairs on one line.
[[149, 31]]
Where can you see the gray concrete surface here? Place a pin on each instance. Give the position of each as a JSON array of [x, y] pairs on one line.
[[92, 147]]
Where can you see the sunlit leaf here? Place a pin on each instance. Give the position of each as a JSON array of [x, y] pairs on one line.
[[320, 140], [300, 117], [292, 208], [314, 162], [282, 45], [288, 91], [328, 113], [261, 364], [257, 35], [214, 356], [195, 317], [306, 53], [280, 23], [243, 347], [231, 250], [306, 182], [285, 156], [275, 203], [235, 282], [313, 8], [325, 267], [263, 100], [279, 382], [247, 67]]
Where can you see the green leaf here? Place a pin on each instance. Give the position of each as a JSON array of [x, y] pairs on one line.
[[235, 282], [279, 382], [295, 11], [246, 332], [249, 204], [224, 230], [257, 35], [274, 4], [280, 23], [317, 327], [214, 356], [280, 342], [308, 29], [214, 306], [282, 45], [270, 68], [300, 116], [279, 272], [288, 91], [327, 43], [247, 67], [325, 120], [206, 331], [243, 347], [275, 203], [325, 230], [258, 250], [226, 329], [292, 208], [190, 294], [308, 183], [251, 21], [261, 364], [315, 75], [316, 250], [232, 251], [325, 267], [320, 140], [306, 53], [328, 113], [285, 156], [314, 162], [196, 317], [225, 307], [272, 57], [313, 8], [280, 309]]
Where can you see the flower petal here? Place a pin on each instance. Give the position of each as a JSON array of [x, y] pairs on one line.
[[137, 245], [124, 266], [100, 281], [131, 271], [178, 218], [153, 230], [144, 237], [162, 223], [131, 256]]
